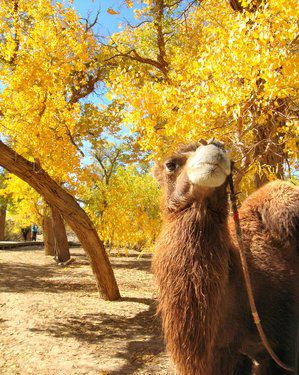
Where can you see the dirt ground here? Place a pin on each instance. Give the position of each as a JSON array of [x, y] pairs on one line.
[[52, 320]]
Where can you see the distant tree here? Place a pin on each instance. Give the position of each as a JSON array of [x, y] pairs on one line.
[[123, 201]]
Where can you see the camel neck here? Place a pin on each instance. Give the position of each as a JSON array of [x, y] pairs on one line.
[[210, 213], [191, 263]]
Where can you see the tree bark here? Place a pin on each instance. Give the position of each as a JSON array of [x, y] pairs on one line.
[[61, 245], [55, 238], [48, 235], [268, 150], [2, 222], [74, 215]]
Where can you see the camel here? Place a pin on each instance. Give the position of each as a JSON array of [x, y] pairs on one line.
[[206, 319]]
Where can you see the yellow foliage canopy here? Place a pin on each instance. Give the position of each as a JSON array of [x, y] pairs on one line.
[[228, 74], [126, 211], [25, 205], [45, 56]]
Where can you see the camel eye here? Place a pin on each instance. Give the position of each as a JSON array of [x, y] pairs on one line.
[[171, 166]]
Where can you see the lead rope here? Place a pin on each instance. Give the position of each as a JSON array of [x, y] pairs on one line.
[[248, 283]]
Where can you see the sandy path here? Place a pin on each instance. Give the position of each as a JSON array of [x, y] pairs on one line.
[[52, 320]]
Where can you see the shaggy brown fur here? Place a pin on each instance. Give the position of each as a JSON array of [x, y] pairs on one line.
[[202, 300]]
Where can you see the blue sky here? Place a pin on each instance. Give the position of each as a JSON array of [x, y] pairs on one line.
[[108, 24]]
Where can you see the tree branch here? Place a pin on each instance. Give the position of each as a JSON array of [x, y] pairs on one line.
[[74, 215], [158, 22], [89, 25], [134, 55], [84, 90], [69, 134], [99, 159]]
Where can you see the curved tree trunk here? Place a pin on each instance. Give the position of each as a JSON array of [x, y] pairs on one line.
[[61, 244], [73, 214], [2, 222]]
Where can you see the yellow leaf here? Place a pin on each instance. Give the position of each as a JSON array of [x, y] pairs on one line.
[[129, 3], [112, 11]]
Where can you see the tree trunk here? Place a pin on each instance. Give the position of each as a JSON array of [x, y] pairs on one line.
[[74, 215], [61, 245], [55, 238], [268, 152], [48, 235], [2, 222]]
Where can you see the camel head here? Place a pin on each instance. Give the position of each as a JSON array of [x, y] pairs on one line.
[[193, 173]]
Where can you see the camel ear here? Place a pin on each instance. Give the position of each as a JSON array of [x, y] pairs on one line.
[[157, 171]]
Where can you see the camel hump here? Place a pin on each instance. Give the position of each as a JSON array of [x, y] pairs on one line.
[[277, 205]]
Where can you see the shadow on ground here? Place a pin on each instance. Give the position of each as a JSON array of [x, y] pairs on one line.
[[140, 351], [142, 334], [126, 262], [140, 264], [114, 255], [135, 339], [22, 278]]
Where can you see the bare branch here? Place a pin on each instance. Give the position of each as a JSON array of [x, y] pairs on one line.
[[89, 25], [99, 159], [138, 25], [186, 10], [69, 134]]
